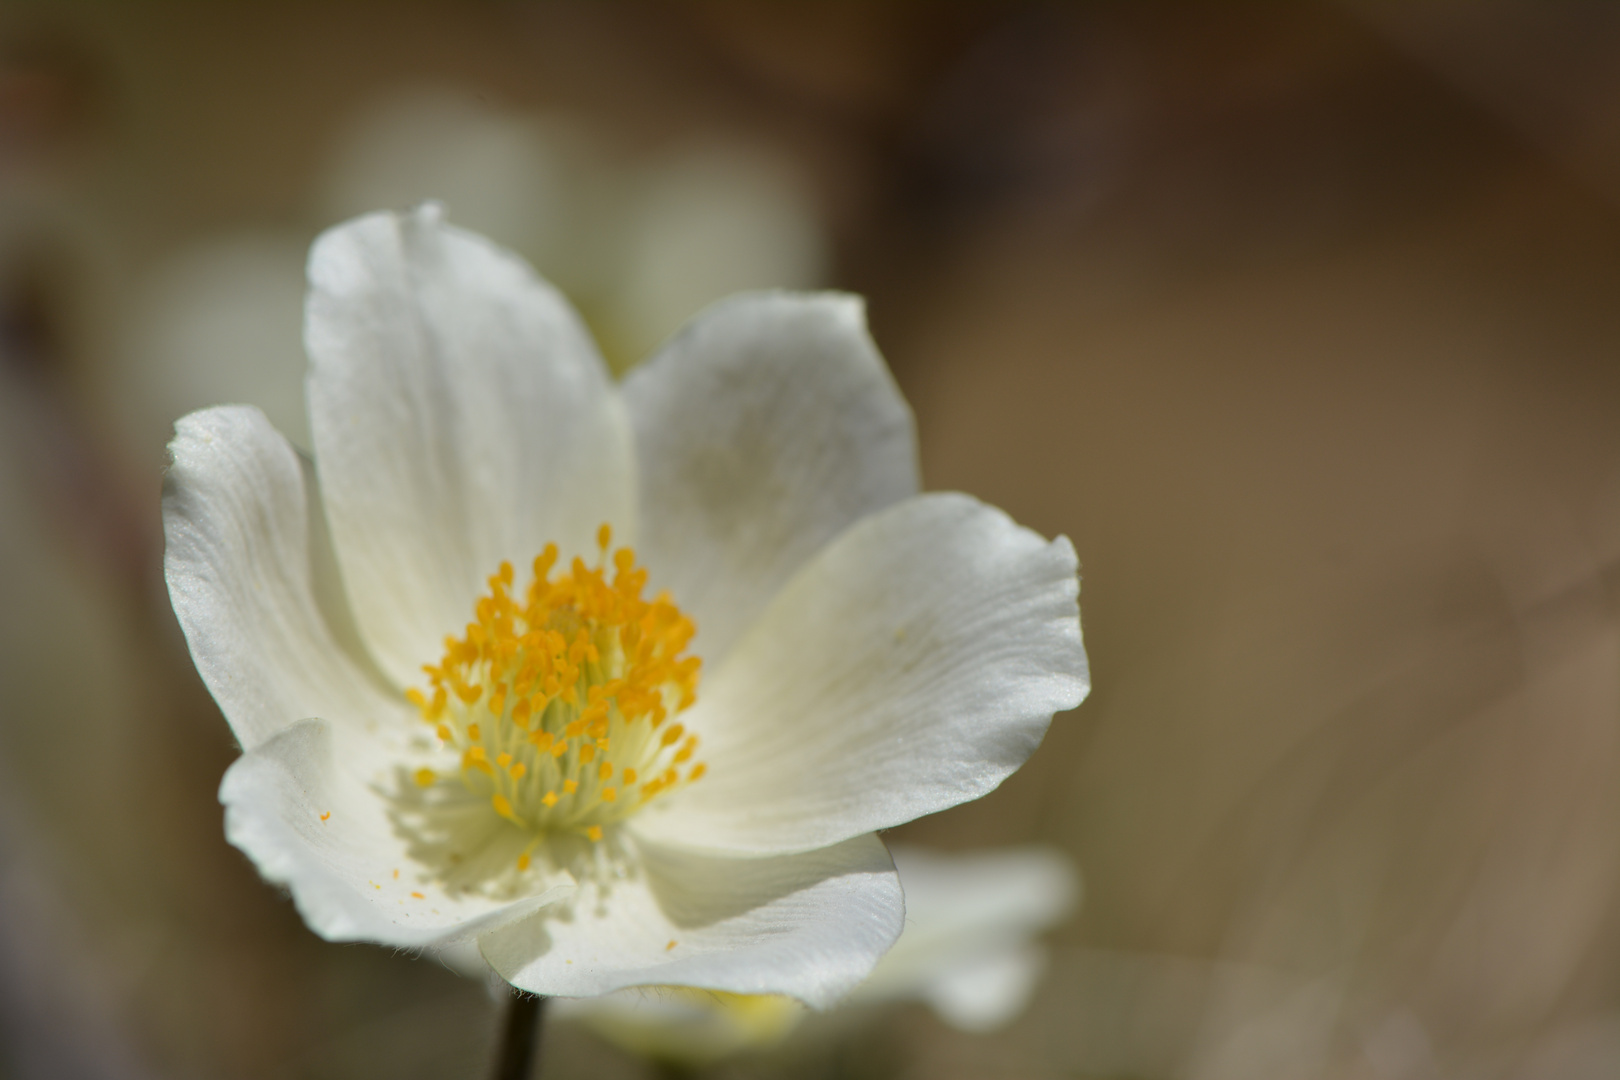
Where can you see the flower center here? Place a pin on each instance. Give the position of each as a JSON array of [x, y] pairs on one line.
[[561, 704]]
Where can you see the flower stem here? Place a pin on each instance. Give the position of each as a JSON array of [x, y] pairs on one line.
[[520, 1037]]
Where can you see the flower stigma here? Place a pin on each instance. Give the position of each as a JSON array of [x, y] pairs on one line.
[[561, 706]]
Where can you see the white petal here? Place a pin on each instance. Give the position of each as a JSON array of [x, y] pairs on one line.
[[461, 416], [912, 666], [988, 992], [960, 899], [240, 571], [970, 919], [763, 430], [306, 808], [810, 926]]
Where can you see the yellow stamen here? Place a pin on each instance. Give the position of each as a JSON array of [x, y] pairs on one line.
[[571, 679]]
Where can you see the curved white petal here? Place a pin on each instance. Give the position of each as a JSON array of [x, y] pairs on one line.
[[308, 808], [763, 429], [241, 571], [810, 926], [461, 416], [913, 665]]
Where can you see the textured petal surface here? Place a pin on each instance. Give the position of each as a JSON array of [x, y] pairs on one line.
[[461, 416], [308, 808], [241, 571], [810, 926], [912, 666], [763, 429]]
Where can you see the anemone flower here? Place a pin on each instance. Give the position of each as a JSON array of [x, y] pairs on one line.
[[618, 681]]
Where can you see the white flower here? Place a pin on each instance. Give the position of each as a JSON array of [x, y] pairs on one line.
[[968, 951], [868, 654]]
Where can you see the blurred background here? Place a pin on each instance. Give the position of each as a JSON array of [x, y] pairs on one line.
[[1303, 321]]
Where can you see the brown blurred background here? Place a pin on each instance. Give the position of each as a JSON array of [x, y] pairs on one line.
[[1302, 321]]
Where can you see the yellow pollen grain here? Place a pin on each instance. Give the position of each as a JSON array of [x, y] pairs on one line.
[[594, 832], [396, 873], [326, 815], [425, 777], [671, 945], [418, 896], [523, 862]]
